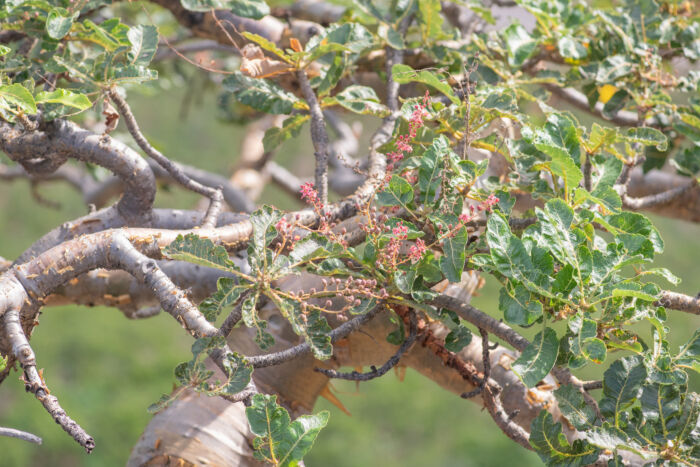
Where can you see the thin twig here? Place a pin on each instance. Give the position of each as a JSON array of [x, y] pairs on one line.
[[19, 434], [235, 316], [342, 331], [657, 199], [319, 137], [377, 372], [214, 194], [34, 382]]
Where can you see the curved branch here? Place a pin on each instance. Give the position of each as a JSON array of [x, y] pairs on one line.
[[62, 139], [214, 194]]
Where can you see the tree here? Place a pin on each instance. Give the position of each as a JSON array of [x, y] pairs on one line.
[[524, 154]]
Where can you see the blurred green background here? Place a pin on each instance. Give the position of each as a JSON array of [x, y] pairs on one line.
[[106, 370]]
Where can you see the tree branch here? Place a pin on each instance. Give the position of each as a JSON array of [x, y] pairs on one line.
[[214, 194], [381, 371], [319, 137], [19, 434]]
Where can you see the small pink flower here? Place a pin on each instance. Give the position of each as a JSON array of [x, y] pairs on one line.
[[400, 231], [464, 218], [309, 193], [416, 251]]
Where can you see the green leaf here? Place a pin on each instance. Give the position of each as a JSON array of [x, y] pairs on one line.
[[309, 324], [238, 372], [430, 18], [266, 44], [648, 137], [197, 250], [64, 97], [15, 97], [635, 223], [687, 162], [622, 385], [519, 305], [571, 48], [503, 100], [278, 441], [611, 438], [227, 292], [264, 231], [59, 22], [548, 440], [538, 358], [398, 193], [255, 9], [144, 43], [519, 43], [458, 338], [260, 94], [574, 407], [559, 139], [613, 68], [4, 50], [353, 37], [291, 128], [251, 319], [454, 249], [404, 74], [689, 419], [359, 99]]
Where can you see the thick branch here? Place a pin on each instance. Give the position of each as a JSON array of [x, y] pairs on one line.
[[681, 302], [62, 139]]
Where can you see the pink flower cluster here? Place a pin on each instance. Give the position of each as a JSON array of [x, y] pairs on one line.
[[403, 143], [417, 250]]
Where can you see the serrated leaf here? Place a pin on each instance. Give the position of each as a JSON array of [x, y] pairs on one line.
[[359, 99], [59, 22], [458, 338], [255, 9], [574, 407], [197, 250], [503, 100], [622, 385], [64, 97], [351, 36], [264, 231], [519, 43], [548, 440], [278, 441], [228, 291], [266, 44], [538, 358], [571, 48], [291, 128], [404, 74], [238, 372], [647, 136], [454, 249], [309, 324], [430, 18], [260, 94], [144, 43], [519, 306], [613, 68], [397, 193], [16, 97]]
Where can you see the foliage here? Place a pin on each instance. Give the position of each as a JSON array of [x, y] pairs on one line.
[[583, 259]]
